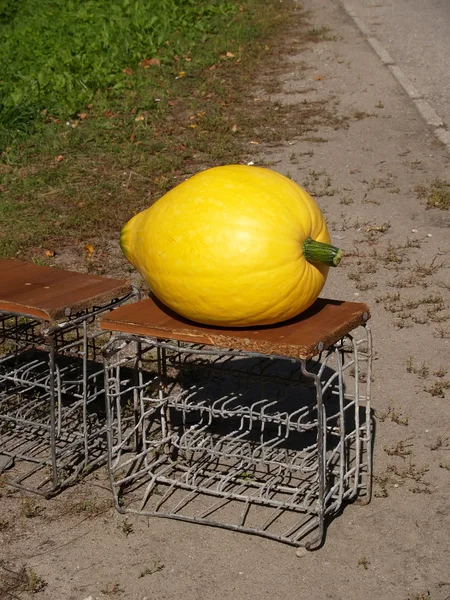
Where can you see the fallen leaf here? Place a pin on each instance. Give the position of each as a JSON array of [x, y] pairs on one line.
[[59, 158], [132, 137], [139, 118], [181, 74], [172, 102], [187, 58], [229, 55], [49, 253], [148, 62], [127, 71], [212, 67], [193, 125], [318, 77], [234, 128], [256, 143], [82, 116], [89, 250]]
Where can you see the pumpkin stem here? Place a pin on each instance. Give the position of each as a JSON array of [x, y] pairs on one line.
[[319, 252]]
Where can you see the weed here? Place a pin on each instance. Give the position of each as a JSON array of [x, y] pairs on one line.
[[4, 524], [437, 196], [422, 372], [439, 443], [92, 507], [442, 333], [15, 580], [364, 563], [382, 481], [126, 527], [157, 566], [319, 34], [354, 276], [112, 589], [445, 465], [346, 200], [402, 449], [426, 269], [29, 508], [392, 415], [438, 388], [411, 472], [420, 596], [318, 184], [363, 287]]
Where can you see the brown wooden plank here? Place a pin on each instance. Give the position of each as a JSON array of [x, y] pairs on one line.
[[323, 324], [50, 294]]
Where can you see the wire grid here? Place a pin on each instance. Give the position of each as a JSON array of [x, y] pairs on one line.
[[260, 444], [52, 414]]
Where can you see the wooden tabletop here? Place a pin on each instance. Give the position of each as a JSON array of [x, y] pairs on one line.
[[49, 294], [302, 337]]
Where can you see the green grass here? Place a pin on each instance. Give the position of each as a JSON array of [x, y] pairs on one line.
[[437, 194], [58, 57]]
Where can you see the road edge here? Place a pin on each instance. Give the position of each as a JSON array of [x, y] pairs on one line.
[[426, 111]]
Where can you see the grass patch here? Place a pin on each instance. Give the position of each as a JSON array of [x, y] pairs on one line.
[[16, 580], [74, 182], [55, 59], [437, 195]]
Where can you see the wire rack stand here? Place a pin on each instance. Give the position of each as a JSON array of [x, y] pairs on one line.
[[52, 416], [261, 443]]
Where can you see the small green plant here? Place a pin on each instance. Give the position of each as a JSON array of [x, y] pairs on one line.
[[439, 195], [364, 563], [19, 580], [420, 596], [4, 524], [112, 589], [393, 415], [126, 527], [402, 449], [157, 566], [319, 34], [29, 508], [438, 388]]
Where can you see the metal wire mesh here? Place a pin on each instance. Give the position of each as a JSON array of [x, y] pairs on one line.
[[249, 442], [52, 414]]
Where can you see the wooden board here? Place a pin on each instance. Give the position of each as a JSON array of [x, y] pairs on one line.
[[49, 294], [302, 337]]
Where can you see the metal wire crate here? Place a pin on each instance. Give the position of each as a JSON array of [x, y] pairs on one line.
[[247, 441], [52, 416]]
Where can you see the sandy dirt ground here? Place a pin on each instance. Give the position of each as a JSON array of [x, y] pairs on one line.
[[365, 175]]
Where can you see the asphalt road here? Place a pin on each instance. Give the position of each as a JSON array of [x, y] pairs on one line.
[[416, 34]]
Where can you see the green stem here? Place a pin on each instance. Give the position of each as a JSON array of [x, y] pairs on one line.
[[319, 252]]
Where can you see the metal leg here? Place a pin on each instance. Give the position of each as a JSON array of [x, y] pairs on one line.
[[248, 442]]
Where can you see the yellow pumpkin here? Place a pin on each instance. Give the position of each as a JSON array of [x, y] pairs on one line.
[[233, 246]]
